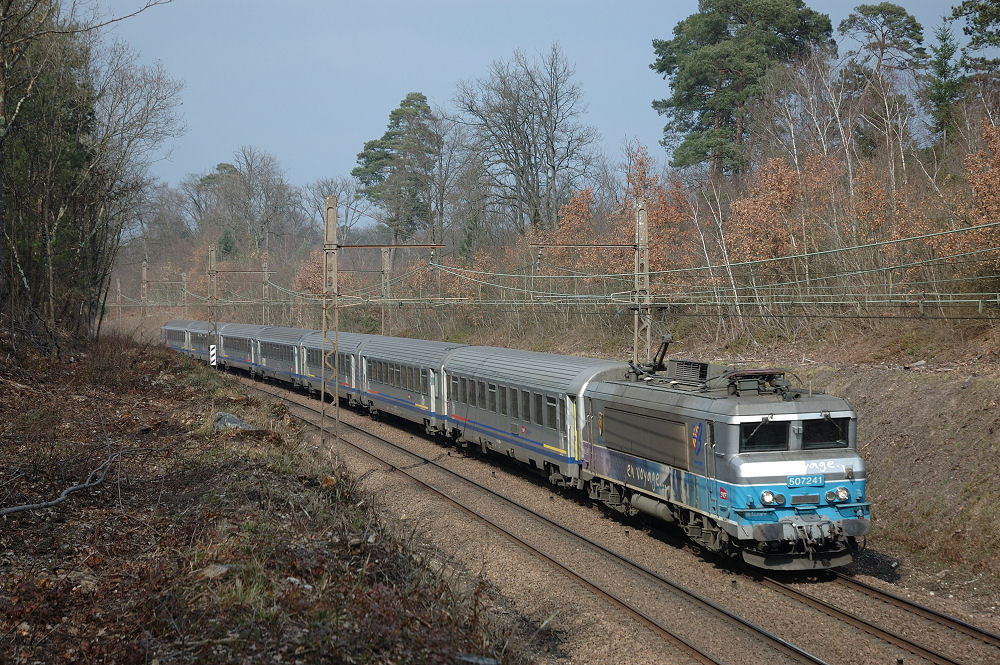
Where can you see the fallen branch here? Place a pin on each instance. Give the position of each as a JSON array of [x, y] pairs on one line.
[[91, 481]]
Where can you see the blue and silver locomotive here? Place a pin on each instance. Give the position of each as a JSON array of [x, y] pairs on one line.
[[742, 461]]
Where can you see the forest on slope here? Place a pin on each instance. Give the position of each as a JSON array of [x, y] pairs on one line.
[[814, 171]]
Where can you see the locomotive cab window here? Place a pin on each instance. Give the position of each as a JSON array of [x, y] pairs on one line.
[[763, 436], [825, 433]]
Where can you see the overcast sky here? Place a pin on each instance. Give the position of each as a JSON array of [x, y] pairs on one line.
[[310, 81]]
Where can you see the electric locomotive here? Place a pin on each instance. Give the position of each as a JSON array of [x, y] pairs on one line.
[[746, 464]]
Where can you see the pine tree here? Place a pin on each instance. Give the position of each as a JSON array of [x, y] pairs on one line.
[[395, 170], [716, 64], [944, 81]]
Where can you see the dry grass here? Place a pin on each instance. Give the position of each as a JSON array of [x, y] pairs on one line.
[[202, 546]]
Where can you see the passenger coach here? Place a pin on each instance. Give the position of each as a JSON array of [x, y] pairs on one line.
[[523, 404], [404, 377]]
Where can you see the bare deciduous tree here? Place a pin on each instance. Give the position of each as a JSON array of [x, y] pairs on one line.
[[525, 120]]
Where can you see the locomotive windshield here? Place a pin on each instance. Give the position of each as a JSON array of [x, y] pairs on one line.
[[764, 436], [826, 433]]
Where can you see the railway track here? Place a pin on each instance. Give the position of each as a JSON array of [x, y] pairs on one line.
[[686, 644], [988, 642], [939, 618], [868, 627]]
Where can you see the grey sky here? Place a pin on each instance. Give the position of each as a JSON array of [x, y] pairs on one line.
[[311, 81]]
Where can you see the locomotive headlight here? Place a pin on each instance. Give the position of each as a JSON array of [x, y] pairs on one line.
[[767, 497], [839, 495]]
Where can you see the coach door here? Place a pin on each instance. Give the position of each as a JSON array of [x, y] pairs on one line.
[[711, 484], [588, 432], [572, 441], [432, 391]]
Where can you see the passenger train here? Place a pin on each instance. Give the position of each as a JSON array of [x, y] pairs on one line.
[[745, 463]]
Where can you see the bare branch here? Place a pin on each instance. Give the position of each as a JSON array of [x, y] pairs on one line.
[[94, 478]]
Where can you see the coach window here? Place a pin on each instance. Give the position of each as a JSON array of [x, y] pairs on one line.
[[551, 417], [424, 383], [503, 400], [526, 405], [538, 410], [492, 403], [481, 394], [514, 397], [463, 390]]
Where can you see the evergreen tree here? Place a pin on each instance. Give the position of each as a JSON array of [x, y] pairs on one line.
[[890, 37], [983, 28], [716, 64], [396, 170], [944, 81]]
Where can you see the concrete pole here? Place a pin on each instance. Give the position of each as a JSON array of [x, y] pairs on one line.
[[385, 284], [642, 334], [213, 293], [330, 285], [144, 290], [263, 294], [184, 293]]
